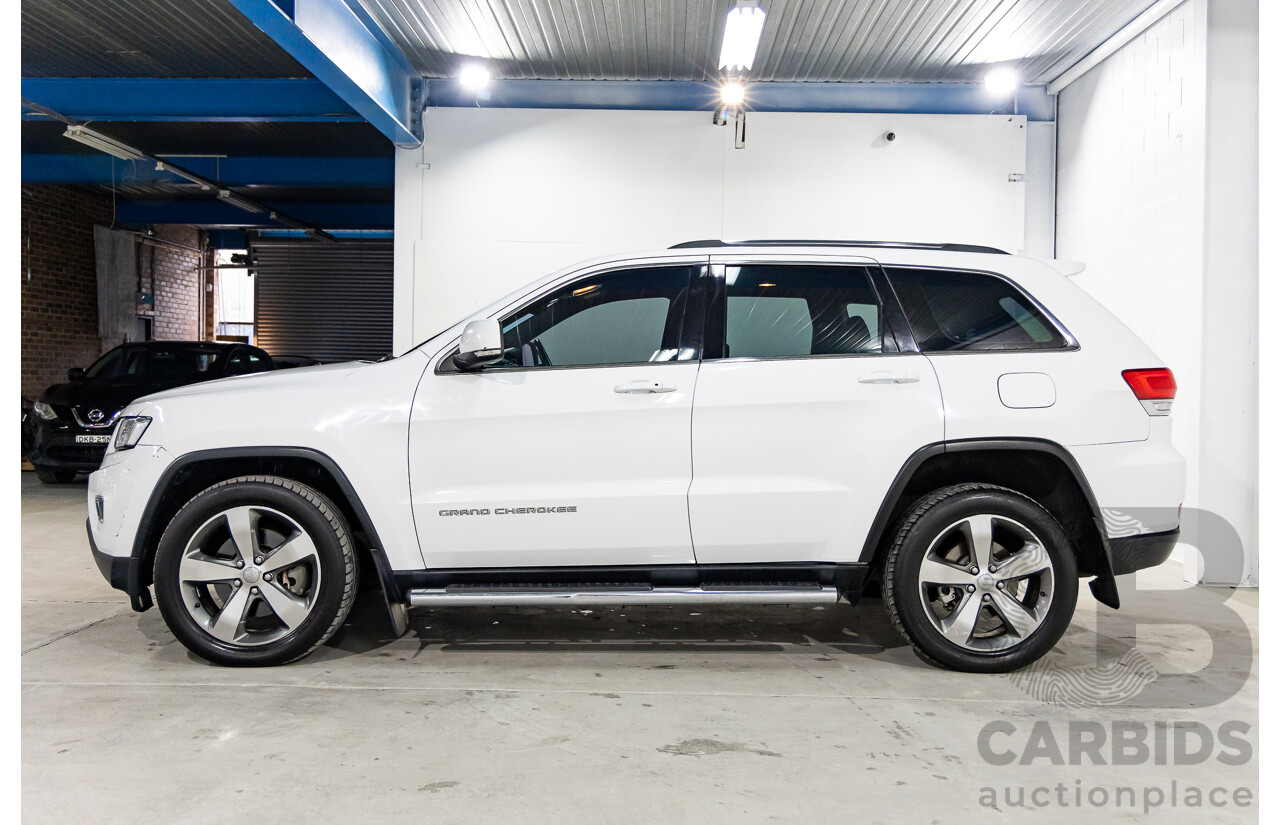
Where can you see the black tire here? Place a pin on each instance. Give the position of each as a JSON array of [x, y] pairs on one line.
[[919, 609], [54, 475], [334, 568]]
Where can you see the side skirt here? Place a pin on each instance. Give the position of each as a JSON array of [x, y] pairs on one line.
[[641, 584]]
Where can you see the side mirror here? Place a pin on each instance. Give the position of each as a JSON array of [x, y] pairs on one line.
[[75, 373], [481, 344]]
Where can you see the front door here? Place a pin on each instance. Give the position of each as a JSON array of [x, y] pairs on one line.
[[805, 412], [575, 449]]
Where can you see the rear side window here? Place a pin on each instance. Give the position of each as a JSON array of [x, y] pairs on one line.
[[957, 311], [796, 311]]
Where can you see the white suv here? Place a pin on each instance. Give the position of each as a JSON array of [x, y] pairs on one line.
[[716, 423]]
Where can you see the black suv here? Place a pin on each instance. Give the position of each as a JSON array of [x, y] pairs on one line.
[[68, 428]]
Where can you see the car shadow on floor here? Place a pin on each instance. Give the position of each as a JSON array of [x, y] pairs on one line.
[[861, 629]]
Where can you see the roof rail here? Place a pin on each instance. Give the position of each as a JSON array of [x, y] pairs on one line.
[[942, 247]]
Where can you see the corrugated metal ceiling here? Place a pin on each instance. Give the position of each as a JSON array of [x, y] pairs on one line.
[[147, 38], [804, 40]]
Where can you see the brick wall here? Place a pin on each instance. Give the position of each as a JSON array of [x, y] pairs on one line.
[[60, 288], [59, 284], [173, 276]]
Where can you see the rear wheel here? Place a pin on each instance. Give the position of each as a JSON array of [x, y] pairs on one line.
[[980, 578], [258, 570], [54, 475]]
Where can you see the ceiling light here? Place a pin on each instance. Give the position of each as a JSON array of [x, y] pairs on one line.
[[733, 93], [239, 202], [1001, 82], [474, 77], [584, 290], [103, 143], [741, 35]]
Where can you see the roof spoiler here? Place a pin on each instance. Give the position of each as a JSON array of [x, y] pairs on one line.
[[1067, 269]]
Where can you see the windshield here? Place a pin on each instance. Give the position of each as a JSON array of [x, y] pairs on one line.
[[179, 361]]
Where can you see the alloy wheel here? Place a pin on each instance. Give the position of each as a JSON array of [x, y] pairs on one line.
[[986, 583], [250, 575]]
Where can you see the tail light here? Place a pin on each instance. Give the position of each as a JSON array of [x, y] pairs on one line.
[[1155, 388]]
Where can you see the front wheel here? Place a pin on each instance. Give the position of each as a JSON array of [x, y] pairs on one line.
[[257, 570], [980, 578], [54, 475]]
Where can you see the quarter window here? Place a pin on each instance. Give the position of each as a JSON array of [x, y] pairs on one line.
[[950, 311], [796, 311], [625, 317]]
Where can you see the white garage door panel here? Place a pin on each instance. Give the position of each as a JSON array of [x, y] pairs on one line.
[[944, 178], [498, 197]]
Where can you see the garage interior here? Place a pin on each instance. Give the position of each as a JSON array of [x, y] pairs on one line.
[[328, 154]]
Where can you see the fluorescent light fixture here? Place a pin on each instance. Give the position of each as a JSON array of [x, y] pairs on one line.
[[741, 35], [103, 143], [733, 93], [239, 202], [1001, 82], [474, 77], [161, 166]]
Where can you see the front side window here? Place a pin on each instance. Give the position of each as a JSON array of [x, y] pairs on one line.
[[795, 311], [625, 317], [955, 311]]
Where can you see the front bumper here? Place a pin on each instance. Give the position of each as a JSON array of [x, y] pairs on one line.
[[121, 572], [56, 447], [117, 497]]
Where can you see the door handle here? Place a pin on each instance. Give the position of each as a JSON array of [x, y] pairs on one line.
[[889, 377], [636, 387]]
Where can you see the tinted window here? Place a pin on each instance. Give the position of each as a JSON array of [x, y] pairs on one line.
[[156, 362], [970, 311], [789, 311], [625, 317], [245, 362]]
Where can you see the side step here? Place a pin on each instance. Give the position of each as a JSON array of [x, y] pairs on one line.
[[477, 595]]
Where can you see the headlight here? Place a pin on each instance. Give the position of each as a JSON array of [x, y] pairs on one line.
[[43, 410], [129, 431]]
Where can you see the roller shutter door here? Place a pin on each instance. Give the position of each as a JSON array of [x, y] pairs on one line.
[[330, 301]]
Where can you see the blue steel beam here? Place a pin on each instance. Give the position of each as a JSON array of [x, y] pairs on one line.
[[215, 213], [897, 98], [102, 169], [236, 238], [333, 43], [178, 99]]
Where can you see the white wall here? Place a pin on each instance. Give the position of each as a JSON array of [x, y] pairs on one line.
[[1229, 399], [498, 197], [1133, 162]]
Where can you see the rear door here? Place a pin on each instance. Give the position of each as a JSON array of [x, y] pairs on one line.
[[805, 410]]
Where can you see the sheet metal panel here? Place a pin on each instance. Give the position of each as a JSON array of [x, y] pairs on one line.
[[147, 38], [813, 40]]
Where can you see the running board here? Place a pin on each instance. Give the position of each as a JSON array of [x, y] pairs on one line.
[[474, 595]]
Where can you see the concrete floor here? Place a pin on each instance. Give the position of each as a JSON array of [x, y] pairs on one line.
[[612, 716]]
